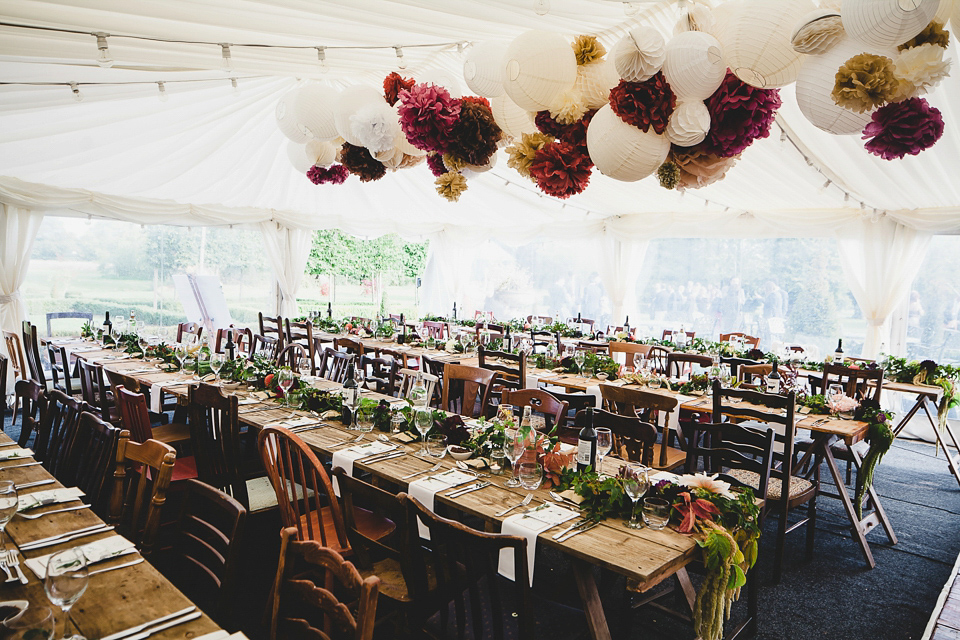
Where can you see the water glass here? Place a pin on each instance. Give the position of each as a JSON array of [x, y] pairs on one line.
[[654, 382], [513, 448], [436, 445], [33, 623], [604, 445], [531, 475], [656, 513], [8, 505], [285, 382], [66, 579], [396, 421], [423, 420], [578, 358], [180, 353], [635, 483], [217, 360]]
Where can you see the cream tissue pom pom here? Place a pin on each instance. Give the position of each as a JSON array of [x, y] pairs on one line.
[[375, 126], [920, 69]]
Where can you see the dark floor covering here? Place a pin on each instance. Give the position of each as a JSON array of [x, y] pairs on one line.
[[834, 596]]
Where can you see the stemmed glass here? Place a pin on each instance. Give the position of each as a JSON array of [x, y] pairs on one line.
[[513, 448], [117, 333], [635, 483], [638, 362], [285, 382], [180, 353], [8, 507], [604, 445], [217, 360], [423, 419], [33, 623], [66, 580], [579, 358]]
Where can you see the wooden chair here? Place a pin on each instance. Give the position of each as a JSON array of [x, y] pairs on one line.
[[242, 340], [466, 390], [470, 597], [187, 329], [60, 315], [4, 364], [863, 384], [748, 340], [408, 379], [511, 366], [541, 341], [629, 350], [670, 334], [264, 346], [318, 594], [436, 369], [298, 333], [736, 363], [658, 356], [17, 359], [272, 327], [294, 356], [32, 401], [58, 428], [170, 432], [436, 330], [60, 370], [90, 461], [95, 391], [204, 547], [680, 363], [31, 347], [799, 491], [746, 373], [650, 407], [380, 374], [540, 401], [333, 365], [576, 402], [403, 359], [633, 439], [141, 479], [216, 439], [136, 420], [349, 345]]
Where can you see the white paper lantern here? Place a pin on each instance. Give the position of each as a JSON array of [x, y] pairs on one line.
[[943, 11], [375, 126], [314, 111], [298, 157], [537, 69], [351, 100], [886, 23], [693, 65], [699, 17], [755, 38], [594, 82], [481, 68], [689, 124], [512, 119], [955, 17], [321, 153], [441, 78], [638, 56], [286, 113], [815, 83], [622, 151]]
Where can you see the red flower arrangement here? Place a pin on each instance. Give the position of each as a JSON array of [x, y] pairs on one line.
[[393, 84], [644, 104], [335, 174], [902, 128], [474, 137], [560, 170], [358, 160], [739, 115]]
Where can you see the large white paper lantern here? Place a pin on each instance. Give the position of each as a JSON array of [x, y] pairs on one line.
[[944, 11], [441, 78], [512, 119], [689, 124], [886, 23], [286, 113], [314, 111], [693, 65], [755, 38], [537, 69], [594, 82], [815, 83], [322, 153], [955, 17], [298, 157], [481, 68], [351, 100], [622, 151], [639, 55]]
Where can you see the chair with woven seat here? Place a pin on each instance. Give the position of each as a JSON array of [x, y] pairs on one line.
[[58, 427], [31, 399], [470, 598], [305, 494], [169, 432], [318, 594], [541, 402], [90, 461], [776, 411], [136, 420], [680, 363], [649, 407], [141, 479], [466, 390], [334, 364], [633, 439], [64, 315], [95, 390]]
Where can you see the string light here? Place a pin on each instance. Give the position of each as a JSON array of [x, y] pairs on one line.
[[76, 92], [103, 50], [163, 91], [401, 63], [226, 61], [235, 85], [631, 8], [322, 59]]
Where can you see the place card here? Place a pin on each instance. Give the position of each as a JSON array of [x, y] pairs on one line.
[[804, 410], [405, 436], [96, 551], [50, 496]]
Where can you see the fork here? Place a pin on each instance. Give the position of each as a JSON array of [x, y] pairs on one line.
[[6, 569], [14, 560], [435, 467], [525, 502], [40, 515], [340, 444]]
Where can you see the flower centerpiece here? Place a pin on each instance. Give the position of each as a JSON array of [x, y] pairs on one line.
[[880, 436]]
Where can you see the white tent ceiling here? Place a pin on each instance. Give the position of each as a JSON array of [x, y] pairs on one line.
[[212, 156]]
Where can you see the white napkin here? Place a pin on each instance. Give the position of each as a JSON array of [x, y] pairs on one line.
[[156, 394], [425, 489], [290, 423], [84, 349], [16, 452], [533, 381], [345, 457], [95, 551], [245, 401], [50, 496], [530, 525], [130, 372]]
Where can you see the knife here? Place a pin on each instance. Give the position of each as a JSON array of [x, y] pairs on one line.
[[460, 492], [132, 630], [119, 566], [16, 466], [577, 532], [576, 525], [63, 537], [27, 485], [386, 455]]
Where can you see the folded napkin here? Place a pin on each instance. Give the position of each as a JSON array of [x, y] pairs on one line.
[[290, 423], [405, 436], [36, 499], [85, 349], [346, 457], [425, 489], [245, 401], [130, 372], [529, 525], [95, 551], [16, 452], [662, 475], [122, 356], [156, 394]]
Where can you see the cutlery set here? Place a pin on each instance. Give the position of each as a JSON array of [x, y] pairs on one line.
[[156, 625], [64, 537], [10, 559]]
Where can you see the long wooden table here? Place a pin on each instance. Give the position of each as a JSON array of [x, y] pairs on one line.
[[114, 600]]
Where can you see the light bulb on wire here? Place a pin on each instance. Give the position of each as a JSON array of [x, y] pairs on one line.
[[76, 92], [322, 59], [103, 51], [226, 61], [541, 7], [163, 91], [631, 8], [401, 62], [236, 87]]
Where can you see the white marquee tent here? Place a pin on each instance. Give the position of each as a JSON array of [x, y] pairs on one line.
[[212, 155]]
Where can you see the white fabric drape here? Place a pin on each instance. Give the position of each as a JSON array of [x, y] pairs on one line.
[[288, 251], [620, 261], [448, 273], [880, 260], [19, 227]]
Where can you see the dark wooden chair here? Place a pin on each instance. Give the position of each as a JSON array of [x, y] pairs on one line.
[[736, 363], [349, 345], [541, 341], [141, 479], [633, 439], [436, 330], [334, 364], [31, 346], [679, 363], [748, 340], [753, 375], [318, 594], [301, 333], [756, 407], [466, 390], [576, 402], [658, 356], [271, 326], [136, 420], [4, 364], [629, 351], [90, 461], [168, 432], [187, 329], [60, 370], [650, 407], [458, 592], [670, 334], [403, 359], [511, 366], [264, 346], [58, 428], [294, 356], [202, 548], [95, 390], [31, 399], [242, 340], [61, 315], [380, 374], [862, 384], [540, 401]]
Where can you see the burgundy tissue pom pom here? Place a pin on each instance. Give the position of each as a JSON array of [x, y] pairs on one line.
[[739, 115], [474, 137], [476, 100], [335, 174], [644, 104], [358, 161], [546, 124], [904, 127], [393, 84], [435, 162], [560, 170], [427, 116]]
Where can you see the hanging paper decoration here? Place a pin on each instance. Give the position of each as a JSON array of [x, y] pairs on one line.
[[359, 162], [669, 175], [336, 174], [474, 137], [698, 17], [450, 185], [622, 151], [441, 78], [350, 101], [865, 82], [436, 165], [560, 170], [689, 124], [521, 153], [375, 127], [594, 82], [886, 23], [393, 84], [644, 104], [321, 153], [903, 128], [739, 114], [814, 88], [818, 32], [639, 55], [481, 68], [537, 69], [920, 69], [286, 114], [298, 157], [512, 119], [427, 116], [699, 168], [933, 33], [569, 108], [693, 65]]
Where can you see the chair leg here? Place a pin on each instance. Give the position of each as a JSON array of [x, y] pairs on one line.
[[753, 602], [849, 471], [811, 526], [781, 542]]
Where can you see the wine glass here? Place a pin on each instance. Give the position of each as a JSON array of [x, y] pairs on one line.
[[423, 419], [33, 623], [117, 333], [639, 362], [604, 445], [513, 448], [635, 483], [66, 580], [654, 382], [8, 506], [217, 360], [578, 358], [285, 382], [180, 353]]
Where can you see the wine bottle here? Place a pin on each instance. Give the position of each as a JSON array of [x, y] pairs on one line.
[[587, 445], [838, 354], [351, 394], [330, 310], [454, 310], [107, 325], [579, 318], [133, 321], [773, 380], [626, 326], [230, 346]]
